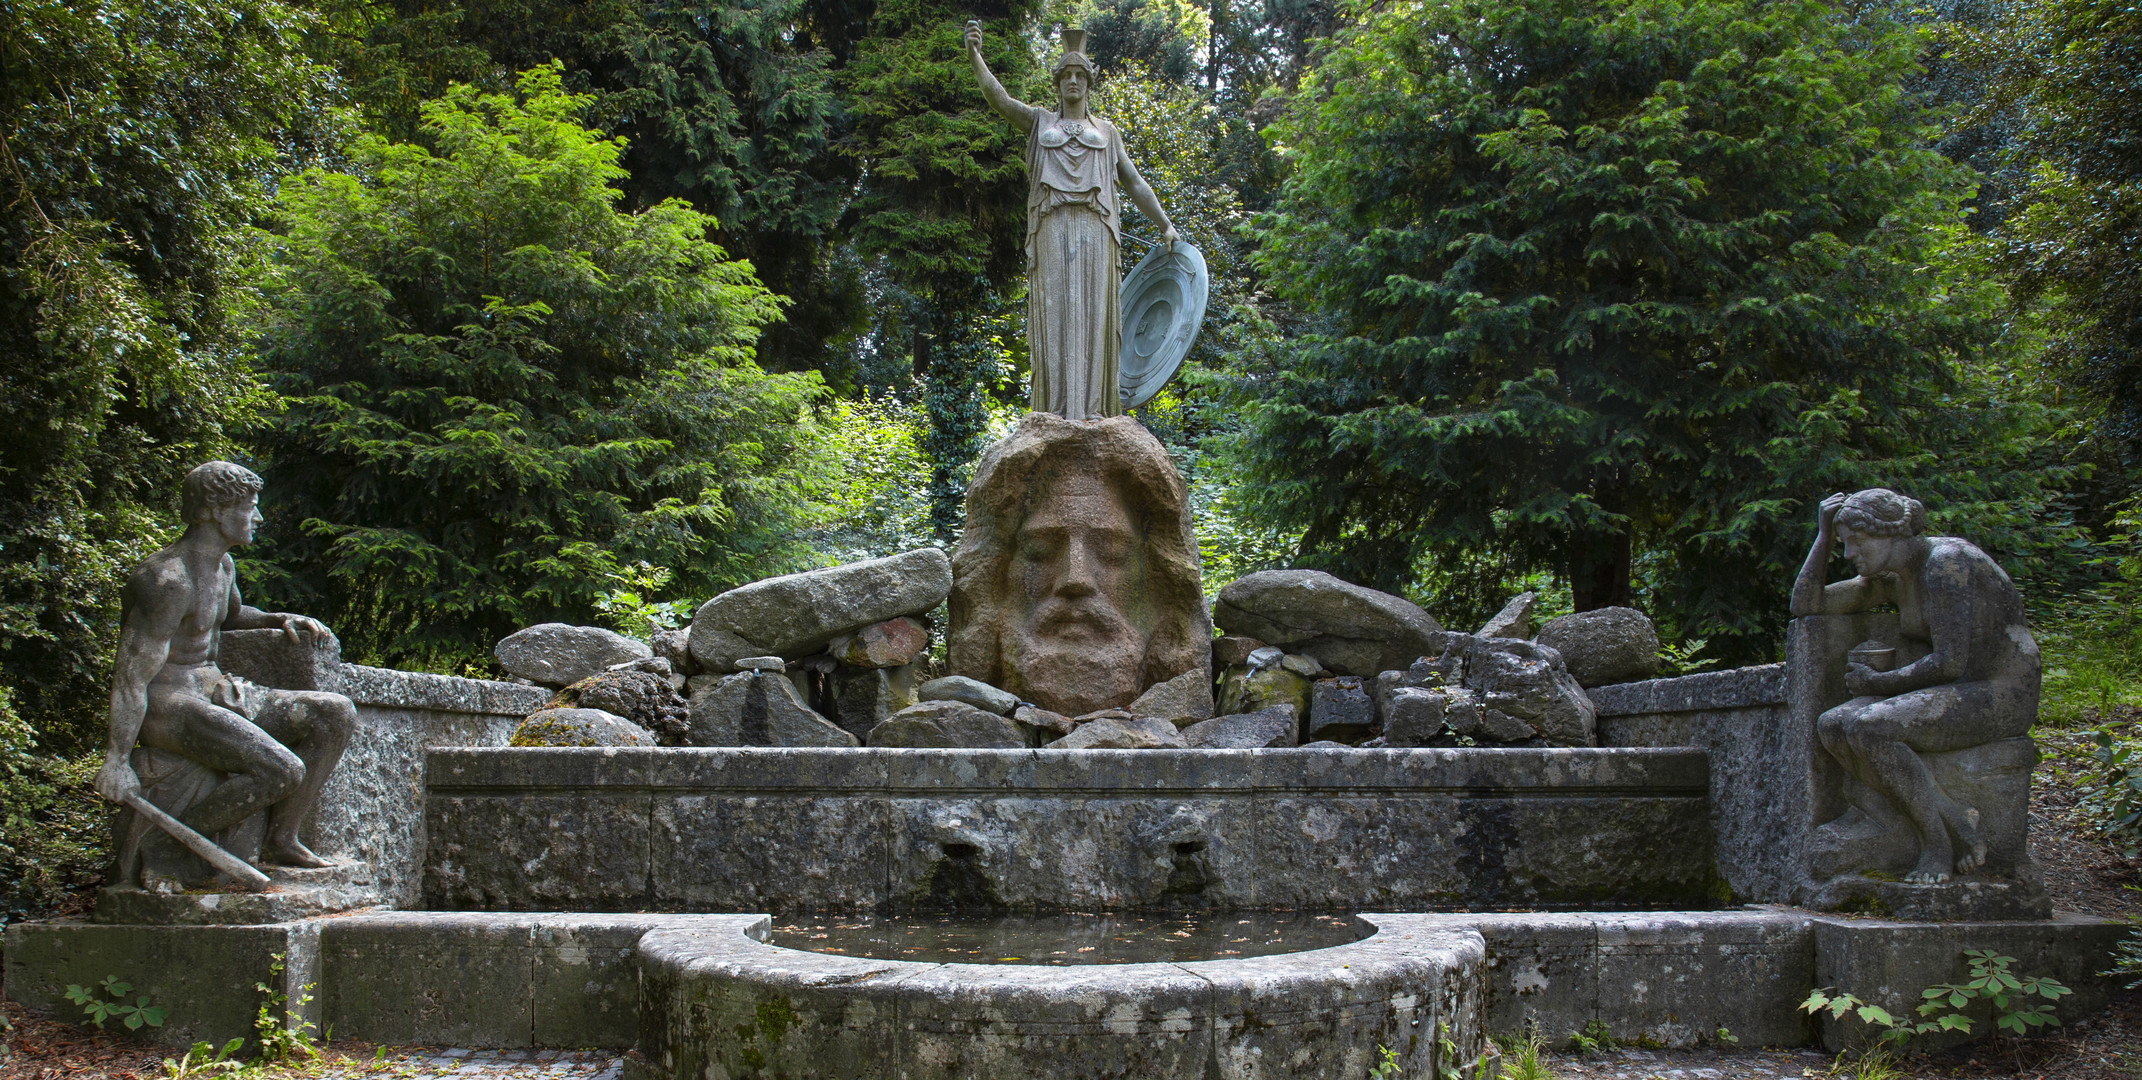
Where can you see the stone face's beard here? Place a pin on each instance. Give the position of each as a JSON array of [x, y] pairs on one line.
[[1083, 648]]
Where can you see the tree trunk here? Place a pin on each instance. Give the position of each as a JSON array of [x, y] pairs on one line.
[[1599, 570], [922, 341]]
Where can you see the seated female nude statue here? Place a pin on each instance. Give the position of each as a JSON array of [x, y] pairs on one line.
[[1978, 683]]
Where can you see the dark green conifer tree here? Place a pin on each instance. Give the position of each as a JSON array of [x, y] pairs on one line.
[[1613, 290], [503, 391]]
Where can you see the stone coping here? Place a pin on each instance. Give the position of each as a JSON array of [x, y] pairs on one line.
[[1470, 771], [387, 688], [711, 943], [1738, 688]]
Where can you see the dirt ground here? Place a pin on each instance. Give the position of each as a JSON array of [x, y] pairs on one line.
[[2081, 872]]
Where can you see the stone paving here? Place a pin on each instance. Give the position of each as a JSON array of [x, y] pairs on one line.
[[1689, 1065], [409, 1063]]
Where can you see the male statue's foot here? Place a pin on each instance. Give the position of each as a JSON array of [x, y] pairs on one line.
[[1932, 869], [292, 853]]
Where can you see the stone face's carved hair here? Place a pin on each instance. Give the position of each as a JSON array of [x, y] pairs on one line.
[[213, 486], [1882, 512], [1011, 478]]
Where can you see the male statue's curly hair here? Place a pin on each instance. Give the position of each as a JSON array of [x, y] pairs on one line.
[[213, 486], [1022, 469], [1882, 512]]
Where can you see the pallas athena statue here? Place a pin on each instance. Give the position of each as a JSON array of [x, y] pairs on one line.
[[1074, 234]]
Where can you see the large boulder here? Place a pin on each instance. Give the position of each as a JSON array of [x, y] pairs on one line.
[[798, 614], [1523, 689], [675, 646], [861, 698], [1514, 620], [945, 725], [579, 727], [1350, 629], [974, 692], [1076, 582], [1340, 709], [889, 644], [1278, 726], [559, 654], [1113, 733], [759, 708], [642, 697], [1187, 696], [1605, 645], [1247, 689]]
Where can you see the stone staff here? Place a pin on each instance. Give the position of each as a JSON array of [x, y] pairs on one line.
[[247, 877]]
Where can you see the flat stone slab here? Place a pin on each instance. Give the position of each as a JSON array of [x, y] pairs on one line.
[[292, 894], [793, 829], [724, 1003], [532, 980]]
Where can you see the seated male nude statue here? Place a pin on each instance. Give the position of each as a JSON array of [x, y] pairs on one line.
[[277, 747], [1977, 683]]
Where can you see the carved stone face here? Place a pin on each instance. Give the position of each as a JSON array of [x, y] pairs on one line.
[[237, 521], [1873, 555], [1072, 87], [1076, 575]]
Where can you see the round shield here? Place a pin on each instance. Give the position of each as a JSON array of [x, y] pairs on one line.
[[1163, 303]]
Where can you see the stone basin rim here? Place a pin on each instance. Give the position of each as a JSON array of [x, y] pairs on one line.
[[741, 947]]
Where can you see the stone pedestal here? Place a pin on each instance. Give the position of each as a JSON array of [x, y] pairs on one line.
[[292, 894]]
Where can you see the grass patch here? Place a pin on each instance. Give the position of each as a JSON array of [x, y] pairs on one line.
[[2092, 648]]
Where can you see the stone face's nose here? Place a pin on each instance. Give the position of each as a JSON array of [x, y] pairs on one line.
[[1081, 568]]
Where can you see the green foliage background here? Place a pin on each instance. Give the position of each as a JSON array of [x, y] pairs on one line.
[[1612, 290], [502, 390]]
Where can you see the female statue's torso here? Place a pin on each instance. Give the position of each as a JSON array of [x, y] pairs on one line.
[[1074, 243]]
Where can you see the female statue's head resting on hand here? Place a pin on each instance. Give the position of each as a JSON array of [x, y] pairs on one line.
[[1880, 530], [1882, 512]]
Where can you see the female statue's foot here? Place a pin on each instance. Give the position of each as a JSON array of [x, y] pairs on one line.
[[1971, 845], [1933, 869]]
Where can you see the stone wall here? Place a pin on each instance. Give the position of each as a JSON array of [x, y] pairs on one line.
[[569, 980], [756, 829], [373, 807], [1738, 718]]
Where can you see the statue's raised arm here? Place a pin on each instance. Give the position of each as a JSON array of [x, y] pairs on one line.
[[1075, 165], [1018, 112]]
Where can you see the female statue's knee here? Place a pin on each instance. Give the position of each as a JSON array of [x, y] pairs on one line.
[[1830, 727], [1868, 733]]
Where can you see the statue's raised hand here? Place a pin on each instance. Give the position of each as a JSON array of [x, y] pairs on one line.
[[1826, 514], [974, 36]]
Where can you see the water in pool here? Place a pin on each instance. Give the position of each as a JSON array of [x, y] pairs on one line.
[[1070, 938]]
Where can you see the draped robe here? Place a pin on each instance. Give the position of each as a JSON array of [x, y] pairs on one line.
[[1074, 243]]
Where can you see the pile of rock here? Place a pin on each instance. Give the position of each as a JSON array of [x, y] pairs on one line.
[[831, 657], [1362, 667], [612, 690], [820, 658]]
